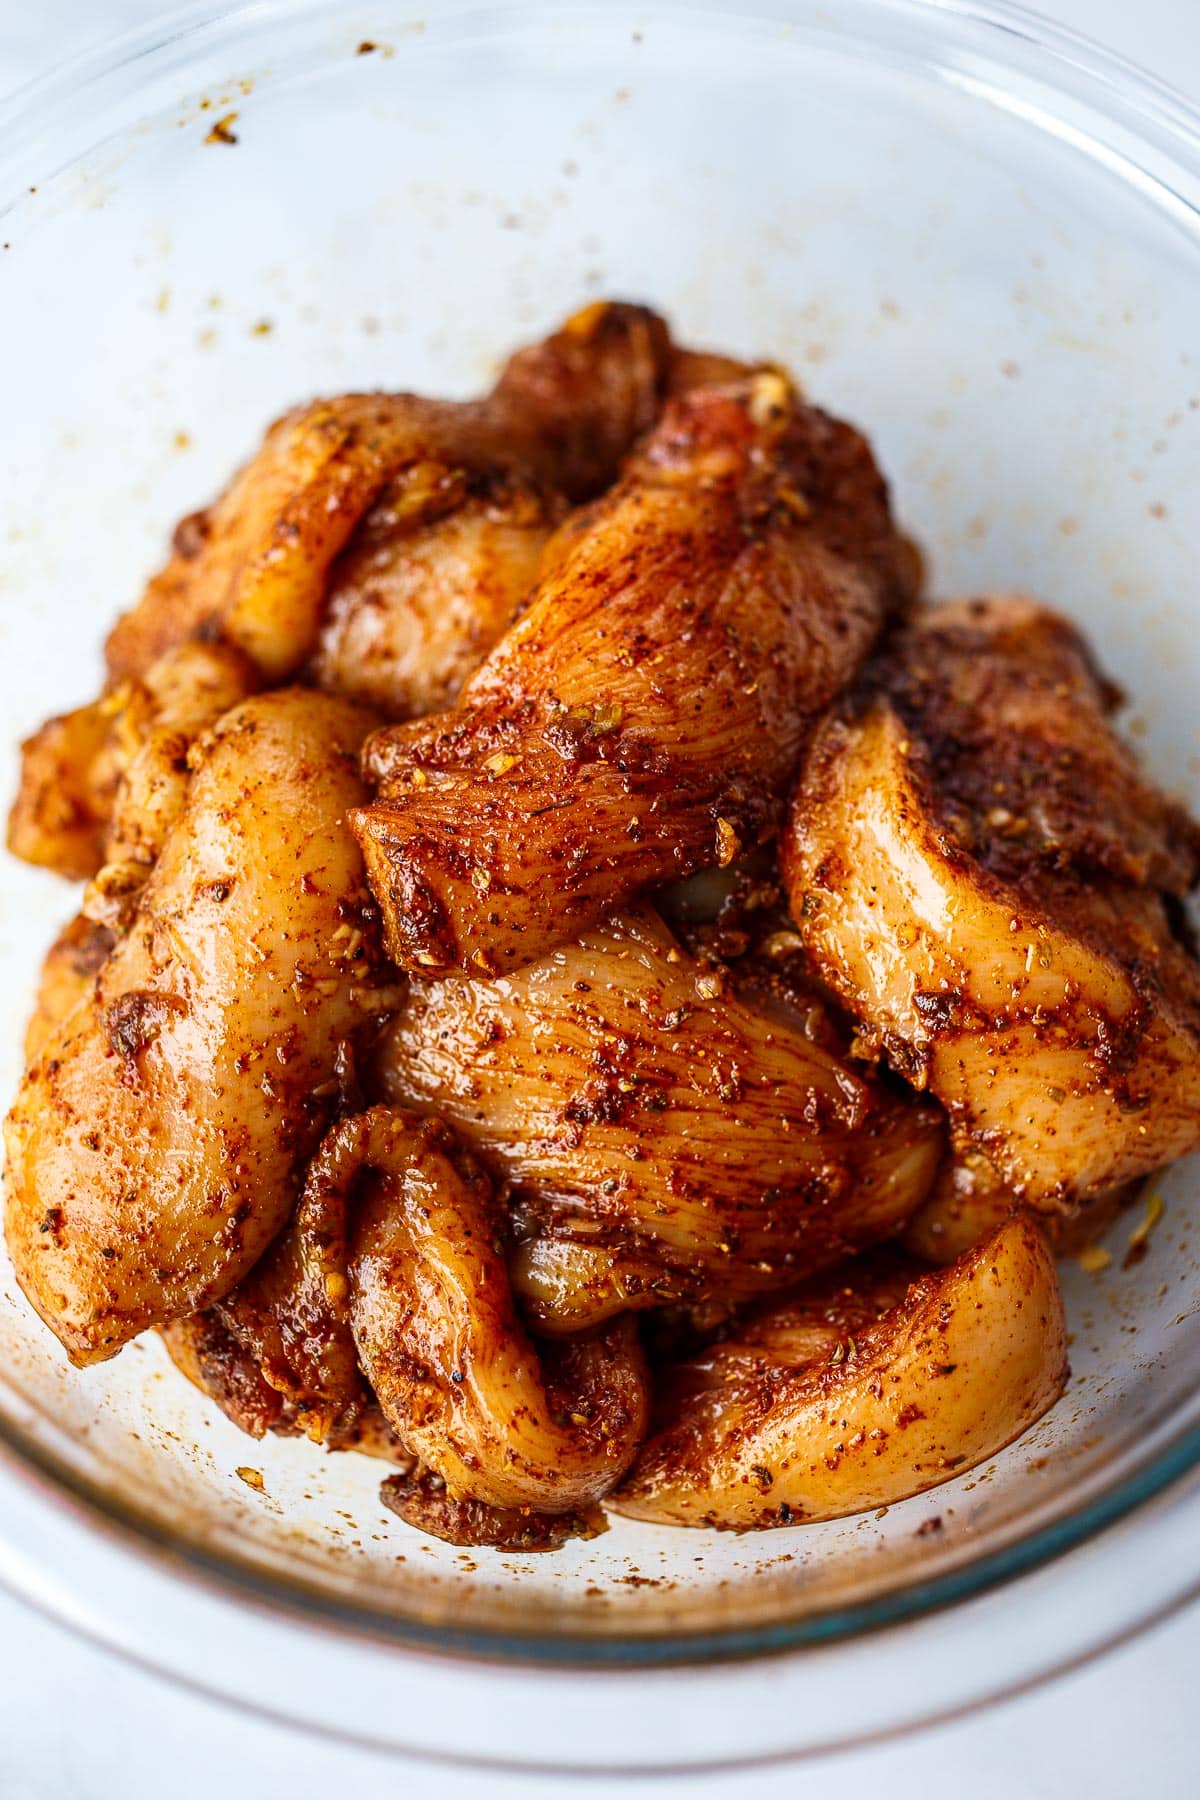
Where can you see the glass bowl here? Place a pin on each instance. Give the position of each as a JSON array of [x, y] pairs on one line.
[[967, 232]]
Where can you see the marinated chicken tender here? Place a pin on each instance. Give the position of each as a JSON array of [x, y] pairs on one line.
[[213, 1361], [154, 728], [395, 1263], [552, 1427], [441, 564], [287, 1320], [428, 584], [441, 509], [537, 1050], [859, 1392], [389, 1291], [423, 1500], [156, 1144], [984, 877], [283, 1330], [254, 567], [641, 718], [156, 720], [667, 1142], [256, 564]]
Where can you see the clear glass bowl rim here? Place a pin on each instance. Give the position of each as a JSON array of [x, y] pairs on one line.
[[1162, 121]]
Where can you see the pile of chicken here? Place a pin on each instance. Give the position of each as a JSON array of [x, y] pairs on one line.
[[587, 986]]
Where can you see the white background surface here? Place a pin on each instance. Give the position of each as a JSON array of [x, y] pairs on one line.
[[75, 1723]]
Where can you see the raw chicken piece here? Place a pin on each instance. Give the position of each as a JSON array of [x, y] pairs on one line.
[[987, 881], [645, 714]]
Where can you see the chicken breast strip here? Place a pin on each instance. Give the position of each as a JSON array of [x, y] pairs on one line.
[[102, 784], [380, 542], [666, 1141], [391, 1284], [552, 1426], [645, 713], [256, 564], [157, 1143], [985, 878], [387, 1295], [439, 566], [869, 1387]]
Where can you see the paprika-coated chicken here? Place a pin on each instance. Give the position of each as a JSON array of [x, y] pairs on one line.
[[644, 715], [857, 1392], [987, 881], [101, 784], [549, 1427], [159, 1138], [627, 1031], [378, 542], [440, 564], [667, 1141], [256, 565], [391, 1287]]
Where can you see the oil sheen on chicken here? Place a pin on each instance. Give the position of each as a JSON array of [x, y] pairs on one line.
[[536, 1048], [858, 1391], [378, 542], [668, 1142], [643, 716], [985, 878], [157, 1141]]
